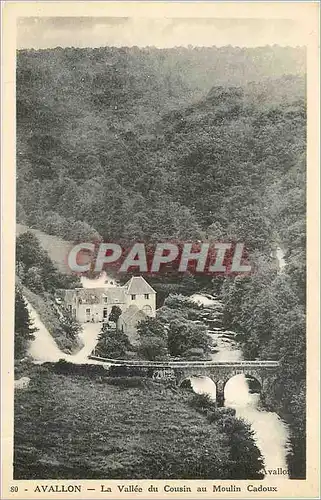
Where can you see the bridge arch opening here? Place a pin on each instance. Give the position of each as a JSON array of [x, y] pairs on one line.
[[254, 385], [242, 389], [200, 385], [186, 384]]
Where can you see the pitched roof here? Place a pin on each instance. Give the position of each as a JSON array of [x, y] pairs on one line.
[[132, 315], [88, 295], [138, 286], [115, 294]]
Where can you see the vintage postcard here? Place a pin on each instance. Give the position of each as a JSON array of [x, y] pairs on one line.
[[160, 246]]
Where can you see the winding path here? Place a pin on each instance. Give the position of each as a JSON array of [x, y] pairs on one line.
[[44, 348], [271, 433]]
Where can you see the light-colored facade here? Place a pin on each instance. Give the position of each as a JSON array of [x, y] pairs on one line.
[[136, 299]]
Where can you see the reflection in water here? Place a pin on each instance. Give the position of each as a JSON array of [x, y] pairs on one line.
[[271, 433]]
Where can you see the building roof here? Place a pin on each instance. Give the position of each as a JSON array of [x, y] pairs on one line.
[[115, 295], [132, 315], [138, 286], [88, 295]]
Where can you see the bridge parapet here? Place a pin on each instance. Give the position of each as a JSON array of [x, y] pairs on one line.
[[219, 371], [189, 364], [221, 374]]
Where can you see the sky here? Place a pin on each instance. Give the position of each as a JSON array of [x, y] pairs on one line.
[[49, 32]]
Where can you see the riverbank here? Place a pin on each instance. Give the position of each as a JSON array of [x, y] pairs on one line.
[[88, 428], [271, 433]]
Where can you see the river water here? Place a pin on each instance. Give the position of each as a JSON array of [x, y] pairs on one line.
[[270, 432]]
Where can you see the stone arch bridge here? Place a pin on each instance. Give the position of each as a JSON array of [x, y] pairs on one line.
[[219, 372]]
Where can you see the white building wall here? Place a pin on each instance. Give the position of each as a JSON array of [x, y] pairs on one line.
[[96, 311], [140, 301]]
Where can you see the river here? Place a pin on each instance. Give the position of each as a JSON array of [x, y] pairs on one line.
[[270, 432]]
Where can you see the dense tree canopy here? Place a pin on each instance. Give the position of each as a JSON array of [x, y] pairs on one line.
[[112, 343], [133, 148], [35, 268], [177, 144]]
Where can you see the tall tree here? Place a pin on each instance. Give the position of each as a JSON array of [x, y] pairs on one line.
[[153, 339], [23, 328], [115, 315]]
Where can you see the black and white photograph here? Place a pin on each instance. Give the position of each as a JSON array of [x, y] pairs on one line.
[[160, 309]]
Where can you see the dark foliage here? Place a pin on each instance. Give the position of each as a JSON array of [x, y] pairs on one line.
[[118, 424], [35, 268], [112, 343], [177, 144], [23, 327], [122, 152], [115, 315]]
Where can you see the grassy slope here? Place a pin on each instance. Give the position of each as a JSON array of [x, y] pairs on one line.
[[57, 248], [75, 427], [46, 311]]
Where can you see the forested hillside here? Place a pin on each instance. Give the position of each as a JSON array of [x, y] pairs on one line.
[[141, 143], [148, 144]]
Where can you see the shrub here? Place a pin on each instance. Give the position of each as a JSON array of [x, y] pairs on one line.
[[186, 384], [112, 343], [65, 367], [127, 382], [178, 301], [202, 402]]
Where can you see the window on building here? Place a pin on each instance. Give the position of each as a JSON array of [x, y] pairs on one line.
[[88, 311], [147, 296], [70, 308], [133, 297], [105, 300], [148, 310], [105, 312]]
